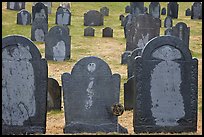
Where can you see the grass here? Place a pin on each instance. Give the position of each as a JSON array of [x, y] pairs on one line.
[[108, 49]]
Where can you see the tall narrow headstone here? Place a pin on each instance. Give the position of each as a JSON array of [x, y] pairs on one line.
[[136, 8], [196, 10], [154, 9], [39, 10], [172, 10], [23, 17], [89, 31], [63, 16], [93, 18]]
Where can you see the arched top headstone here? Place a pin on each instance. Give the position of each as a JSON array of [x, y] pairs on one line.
[[40, 10], [59, 30]]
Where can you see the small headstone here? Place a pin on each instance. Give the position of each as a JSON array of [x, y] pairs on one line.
[[168, 23], [172, 10], [124, 57], [163, 11], [39, 10], [136, 8], [24, 87], [89, 31], [154, 9], [89, 106], [127, 9], [104, 11], [168, 31], [63, 16], [16, 5], [23, 17], [58, 44], [188, 12], [107, 32], [196, 10], [121, 17], [93, 18]]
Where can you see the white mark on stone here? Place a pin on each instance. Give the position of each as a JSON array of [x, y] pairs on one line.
[[59, 51], [91, 67]]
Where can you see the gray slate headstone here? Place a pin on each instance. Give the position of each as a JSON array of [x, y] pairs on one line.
[[127, 9], [58, 44], [104, 11], [88, 104], [23, 17], [166, 87], [196, 10], [63, 16], [93, 18], [39, 10], [168, 22], [16, 5], [154, 9], [24, 87], [124, 57], [188, 12], [136, 8], [121, 17], [163, 11], [168, 31], [172, 10], [48, 4], [89, 31], [107, 32]]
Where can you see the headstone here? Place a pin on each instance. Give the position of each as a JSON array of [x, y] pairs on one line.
[[127, 9], [181, 31], [93, 18], [16, 5], [188, 12], [136, 8], [166, 91], [196, 10], [124, 57], [39, 29], [39, 10], [145, 10], [89, 31], [24, 87], [104, 11], [107, 32], [58, 44], [54, 95], [48, 4], [163, 11], [168, 31], [23, 17], [66, 5], [154, 9], [63, 16], [168, 23], [126, 24], [172, 10], [98, 93], [121, 17]]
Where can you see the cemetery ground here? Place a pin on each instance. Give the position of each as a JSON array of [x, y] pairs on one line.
[[108, 49]]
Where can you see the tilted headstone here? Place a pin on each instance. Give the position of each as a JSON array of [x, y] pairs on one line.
[[121, 17], [39, 29], [168, 22], [16, 5], [196, 10], [163, 11], [188, 12], [107, 32], [63, 16], [39, 10], [172, 10], [166, 87], [89, 31], [124, 57], [168, 31], [93, 18], [58, 44], [23, 17], [104, 11], [89, 106], [154, 9], [136, 8], [54, 95], [181, 31], [127, 9], [24, 87]]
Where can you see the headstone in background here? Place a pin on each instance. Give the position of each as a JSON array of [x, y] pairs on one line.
[[168, 22], [166, 92], [66, 5], [48, 4], [107, 32], [23, 17], [136, 8], [89, 105], [127, 9], [104, 11], [188, 12], [145, 10], [89, 31], [39, 10], [196, 10], [121, 17], [24, 87], [93, 18], [154, 9], [168, 31], [124, 57], [172, 10], [163, 11], [16, 5], [63, 16], [58, 44]]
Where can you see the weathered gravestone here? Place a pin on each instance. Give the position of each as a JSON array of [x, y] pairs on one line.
[[39, 10], [163, 11], [124, 57], [63, 16], [89, 31], [168, 31], [168, 22], [188, 12], [16, 5], [39, 29], [23, 17], [136, 8], [104, 11], [89, 106], [107, 32], [154, 9], [54, 95], [196, 10], [24, 87], [48, 4], [181, 31], [93, 18], [58, 44], [145, 10], [127, 9], [166, 87], [126, 24], [172, 10]]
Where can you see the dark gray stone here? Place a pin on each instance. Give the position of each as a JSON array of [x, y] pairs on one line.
[[126, 24], [104, 11], [48, 4], [168, 22], [39, 10], [58, 44], [172, 10], [23, 17], [88, 105], [166, 87], [121, 17], [196, 10], [107, 32], [124, 57], [63, 16], [89, 31], [168, 31], [39, 29], [188, 12], [127, 9], [163, 11], [145, 10], [16, 5], [24, 87], [54, 95], [154, 9], [136, 8], [93, 18]]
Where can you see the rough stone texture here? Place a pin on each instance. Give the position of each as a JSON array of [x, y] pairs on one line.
[[172, 10], [58, 44], [39, 29], [168, 22], [23, 17], [154, 9], [168, 31], [54, 95], [163, 11], [107, 32], [104, 11], [63, 16], [136, 8], [48, 4], [181, 31], [98, 91], [188, 12], [166, 79], [127, 9], [16, 5], [89, 31], [24, 87], [39, 10], [93, 18], [124, 57], [196, 10]]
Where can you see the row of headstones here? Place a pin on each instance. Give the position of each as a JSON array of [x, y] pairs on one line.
[[106, 32], [159, 87]]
